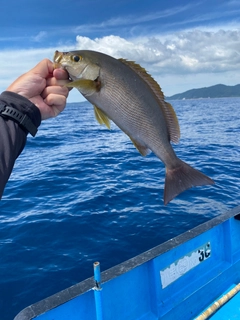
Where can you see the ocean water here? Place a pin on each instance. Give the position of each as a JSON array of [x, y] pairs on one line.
[[81, 193]]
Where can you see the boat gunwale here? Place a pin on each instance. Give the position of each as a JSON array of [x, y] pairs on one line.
[[76, 290]]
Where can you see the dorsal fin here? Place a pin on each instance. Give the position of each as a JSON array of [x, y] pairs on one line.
[[170, 115], [172, 122]]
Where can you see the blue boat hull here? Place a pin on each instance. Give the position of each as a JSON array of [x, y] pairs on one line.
[[175, 280]]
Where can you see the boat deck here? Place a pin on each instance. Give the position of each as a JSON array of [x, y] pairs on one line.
[[230, 311], [225, 307], [177, 280]]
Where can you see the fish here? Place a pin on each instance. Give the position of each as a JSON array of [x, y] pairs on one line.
[[124, 92]]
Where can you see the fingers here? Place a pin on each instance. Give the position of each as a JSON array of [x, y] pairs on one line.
[[55, 82], [55, 93], [60, 78], [57, 103], [60, 74], [55, 97], [55, 89], [45, 69]]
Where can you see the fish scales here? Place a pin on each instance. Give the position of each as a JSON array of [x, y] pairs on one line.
[[125, 117], [123, 92]]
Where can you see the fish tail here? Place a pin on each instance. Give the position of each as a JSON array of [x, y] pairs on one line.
[[182, 178]]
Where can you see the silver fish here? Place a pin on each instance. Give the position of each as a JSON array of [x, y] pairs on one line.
[[122, 91]]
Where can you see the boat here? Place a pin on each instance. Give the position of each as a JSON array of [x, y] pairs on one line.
[[195, 275]]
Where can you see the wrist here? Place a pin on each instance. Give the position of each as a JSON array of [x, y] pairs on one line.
[[21, 119], [23, 105]]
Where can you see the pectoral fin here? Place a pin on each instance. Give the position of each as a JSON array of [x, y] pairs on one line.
[[85, 86], [101, 117]]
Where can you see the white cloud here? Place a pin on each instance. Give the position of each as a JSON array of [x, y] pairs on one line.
[[214, 54], [15, 63], [40, 36], [186, 52], [178, 61]]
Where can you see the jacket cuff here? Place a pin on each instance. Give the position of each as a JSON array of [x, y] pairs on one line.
[[23, 105]]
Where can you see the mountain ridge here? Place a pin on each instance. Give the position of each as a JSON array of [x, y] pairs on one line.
[[216, 91]]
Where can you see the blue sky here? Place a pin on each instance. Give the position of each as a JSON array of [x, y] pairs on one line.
[[183, 44]]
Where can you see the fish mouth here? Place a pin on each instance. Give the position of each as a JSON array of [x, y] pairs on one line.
[[57, 56], [57, 59]]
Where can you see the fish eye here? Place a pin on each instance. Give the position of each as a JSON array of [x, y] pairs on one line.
[[76, 58]]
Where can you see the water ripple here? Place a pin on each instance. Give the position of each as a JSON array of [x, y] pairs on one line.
[[81, 193]]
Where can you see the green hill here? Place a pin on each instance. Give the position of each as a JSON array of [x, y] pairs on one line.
[[217, 91]]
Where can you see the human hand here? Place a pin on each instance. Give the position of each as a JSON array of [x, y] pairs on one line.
[[44, 86]]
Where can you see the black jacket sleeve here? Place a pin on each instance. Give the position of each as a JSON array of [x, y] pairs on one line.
[[12, 136]]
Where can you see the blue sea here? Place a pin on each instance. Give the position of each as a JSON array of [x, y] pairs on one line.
[[80, 193]]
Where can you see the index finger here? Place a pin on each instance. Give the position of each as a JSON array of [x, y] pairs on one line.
[[60, 74], [56, 82]]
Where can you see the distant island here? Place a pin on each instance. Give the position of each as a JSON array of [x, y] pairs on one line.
[[217, 91]]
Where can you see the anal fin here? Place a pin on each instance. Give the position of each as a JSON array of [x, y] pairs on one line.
[[142, 149]]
